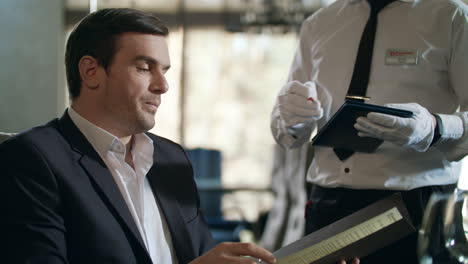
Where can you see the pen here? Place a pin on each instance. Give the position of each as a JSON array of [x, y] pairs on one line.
[[257, 260]]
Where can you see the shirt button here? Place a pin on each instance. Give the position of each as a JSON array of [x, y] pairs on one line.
[[346, 170]]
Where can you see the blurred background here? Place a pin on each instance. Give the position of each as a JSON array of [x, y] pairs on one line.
[[229, 60]]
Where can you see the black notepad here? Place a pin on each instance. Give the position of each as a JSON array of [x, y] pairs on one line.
[[339, 132]]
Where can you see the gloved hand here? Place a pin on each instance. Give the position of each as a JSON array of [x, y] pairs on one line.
[[298, 105], [415, 132]]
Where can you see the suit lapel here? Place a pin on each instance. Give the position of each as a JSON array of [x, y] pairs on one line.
[[161, 179], [111, 194], [101, 176]]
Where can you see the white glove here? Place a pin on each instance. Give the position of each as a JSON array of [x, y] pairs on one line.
[[298, 105], [415, 132]]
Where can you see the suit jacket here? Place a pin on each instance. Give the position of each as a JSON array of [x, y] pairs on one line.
[[60, 203]]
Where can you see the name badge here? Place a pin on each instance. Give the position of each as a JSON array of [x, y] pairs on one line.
[[401, 57]]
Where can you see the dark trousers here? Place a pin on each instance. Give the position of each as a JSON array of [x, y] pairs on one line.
[[327, 205]]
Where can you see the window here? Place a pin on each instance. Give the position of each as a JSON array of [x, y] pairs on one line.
[[232, 80]]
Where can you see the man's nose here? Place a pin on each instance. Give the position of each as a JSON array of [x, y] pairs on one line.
[[159, 84]]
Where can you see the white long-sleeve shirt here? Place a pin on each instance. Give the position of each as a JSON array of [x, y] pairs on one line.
[[133, 184], [438, 31]]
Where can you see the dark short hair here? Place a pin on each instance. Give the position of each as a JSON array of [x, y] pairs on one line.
[[96, 35]]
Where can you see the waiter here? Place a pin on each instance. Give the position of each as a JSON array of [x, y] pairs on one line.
[[411, 55]]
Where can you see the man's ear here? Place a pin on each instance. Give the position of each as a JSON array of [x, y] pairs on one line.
[[89, 72]]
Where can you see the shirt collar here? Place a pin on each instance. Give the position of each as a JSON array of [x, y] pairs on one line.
[[143, 150], [103, 141]]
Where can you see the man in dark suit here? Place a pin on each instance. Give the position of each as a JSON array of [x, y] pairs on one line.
[[94, 186]]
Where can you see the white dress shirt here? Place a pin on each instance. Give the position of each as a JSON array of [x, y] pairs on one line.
[[133, 184], [438, 31]]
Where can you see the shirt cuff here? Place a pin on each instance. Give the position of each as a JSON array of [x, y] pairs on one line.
[[452, 128], [293, 139]]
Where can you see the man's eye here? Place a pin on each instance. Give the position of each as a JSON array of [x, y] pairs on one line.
[[143, 69]]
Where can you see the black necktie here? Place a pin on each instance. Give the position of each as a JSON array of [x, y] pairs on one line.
[[362, 66]]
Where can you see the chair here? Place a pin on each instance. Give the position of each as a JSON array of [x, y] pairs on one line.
[[207, 171]]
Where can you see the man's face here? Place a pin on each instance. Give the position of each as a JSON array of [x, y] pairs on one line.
[[134, 82]]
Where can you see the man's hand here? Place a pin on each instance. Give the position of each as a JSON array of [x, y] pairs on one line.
[[415, 132], [298, 105], [234, 253]]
